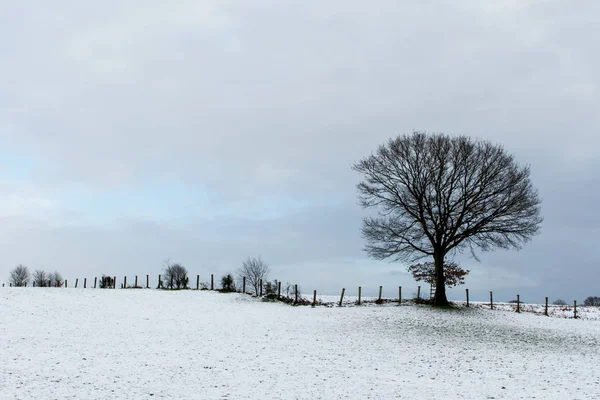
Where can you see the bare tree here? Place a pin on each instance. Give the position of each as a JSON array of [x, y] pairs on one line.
[[592, 301], [55, 279], [437, 194], [175, 275], [19, 276], [254, 270], [40, 278]]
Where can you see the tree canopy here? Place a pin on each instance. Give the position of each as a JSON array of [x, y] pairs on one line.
[[435, 194]]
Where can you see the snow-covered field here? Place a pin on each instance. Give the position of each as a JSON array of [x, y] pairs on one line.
[[148, 344]]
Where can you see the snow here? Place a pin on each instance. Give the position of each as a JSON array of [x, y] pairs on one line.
[[151, 344]]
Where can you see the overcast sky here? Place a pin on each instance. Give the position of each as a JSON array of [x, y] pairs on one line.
[[209, 131]]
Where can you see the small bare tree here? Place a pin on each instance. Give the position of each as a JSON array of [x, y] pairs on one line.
[[254, 270], [176, 276], [40, 278], [20, 276], [592, 301], [55, 279]]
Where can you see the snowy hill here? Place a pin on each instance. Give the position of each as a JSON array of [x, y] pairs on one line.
[[142, 344]]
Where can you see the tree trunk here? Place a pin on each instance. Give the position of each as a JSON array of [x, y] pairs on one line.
[[440, 281]]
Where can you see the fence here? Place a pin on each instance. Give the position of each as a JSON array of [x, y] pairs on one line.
[[297, 299]]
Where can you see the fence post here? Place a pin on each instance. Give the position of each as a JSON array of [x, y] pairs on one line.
[[467, 290], [296, 290], [147, 281], [261, 291], [212, 282], [172, 282], [575, 309], [125, 282], [419, 293], [314, 298], [244, 285], [399, 294], [342, 297], [76, 282], [380, 290], [66, 283], [359, 293], [114, 282], [159, 286], [518, 303], [491, 301], [95, 281], [136, 281], [84, 283], [546, 308], [197, 282], [279, 290]]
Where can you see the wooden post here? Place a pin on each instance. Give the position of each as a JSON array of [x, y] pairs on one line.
[[95, 281], [575, 309], [66, 283], [212, 282], [359, 293], [279, 290], [261, 291], [136, 281], [342, 296], [491, 301], [546, 308], [399, 294], [380, 290], [76, 282], [467, 290], [32, 284], [84, 283], [244, 284], [114, 282], [518, 304], [125, 282], [419, 293], [197, 282], [147, 281], [172, 282], [160, 285], [296, 290], [314, 298]]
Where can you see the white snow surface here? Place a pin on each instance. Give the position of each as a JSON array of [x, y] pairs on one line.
[[152, 344]]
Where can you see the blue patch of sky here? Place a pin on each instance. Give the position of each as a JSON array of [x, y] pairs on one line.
[[15, 166], [175, 201]]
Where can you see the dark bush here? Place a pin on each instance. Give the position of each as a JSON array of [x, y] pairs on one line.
[[106, 282], [592, 301], [228, 283], [559, 302]]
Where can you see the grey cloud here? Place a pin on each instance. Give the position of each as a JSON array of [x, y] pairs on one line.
[[269, 98]]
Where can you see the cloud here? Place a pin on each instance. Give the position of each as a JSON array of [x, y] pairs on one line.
[[234, 124]]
